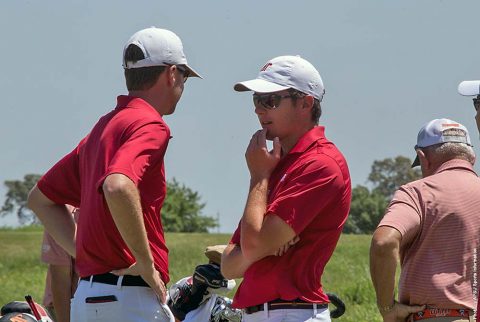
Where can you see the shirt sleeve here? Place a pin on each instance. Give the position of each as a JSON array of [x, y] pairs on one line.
[[61, 183], [143, 148], [53, 253], [403, 214], [306, 192]]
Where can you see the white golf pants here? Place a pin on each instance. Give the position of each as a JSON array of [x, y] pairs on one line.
[[289, 315], [103, 302]]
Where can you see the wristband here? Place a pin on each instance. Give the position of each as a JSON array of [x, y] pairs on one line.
[[387, 308]]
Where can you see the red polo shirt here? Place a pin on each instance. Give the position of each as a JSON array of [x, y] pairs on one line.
[[131, 140], [310, 190]]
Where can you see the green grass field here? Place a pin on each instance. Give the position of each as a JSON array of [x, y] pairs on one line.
[[347, 273]]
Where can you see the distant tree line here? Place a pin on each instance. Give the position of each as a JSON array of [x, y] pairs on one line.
[[181, 212], [369, 205]]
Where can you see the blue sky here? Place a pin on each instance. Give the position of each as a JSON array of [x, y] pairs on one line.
[[388, 68]]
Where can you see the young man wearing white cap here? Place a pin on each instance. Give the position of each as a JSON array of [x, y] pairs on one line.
[[298, 201], [116, 175], [432, 225]]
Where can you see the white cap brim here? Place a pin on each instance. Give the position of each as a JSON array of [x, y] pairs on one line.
[[193, 73], [258, 85], [469, 88]]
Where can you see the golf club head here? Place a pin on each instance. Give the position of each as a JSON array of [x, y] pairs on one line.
[[469, 88]]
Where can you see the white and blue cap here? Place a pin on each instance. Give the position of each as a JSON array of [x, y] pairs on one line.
[[286, 72], [161, 47], [440, 131]]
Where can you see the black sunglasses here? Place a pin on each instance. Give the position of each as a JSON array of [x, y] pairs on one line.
[[185, 72], [269, 101]]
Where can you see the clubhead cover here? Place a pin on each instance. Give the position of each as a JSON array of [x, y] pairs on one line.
[[23, 307]]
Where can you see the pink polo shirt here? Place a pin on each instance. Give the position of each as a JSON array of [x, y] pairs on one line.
[[439, 219], [54, 254]]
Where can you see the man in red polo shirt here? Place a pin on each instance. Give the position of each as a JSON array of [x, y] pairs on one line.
[[299, 197], [116, 175]]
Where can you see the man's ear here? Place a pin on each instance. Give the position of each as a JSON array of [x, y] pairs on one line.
[[424, 162], [308, 102], [171, 75]]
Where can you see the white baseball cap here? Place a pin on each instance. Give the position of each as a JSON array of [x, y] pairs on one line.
[[286, 72], [469, 88], [160, 47], [436, 132]]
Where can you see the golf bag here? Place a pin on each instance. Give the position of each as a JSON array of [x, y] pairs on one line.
[[21, 311], [199, 297]]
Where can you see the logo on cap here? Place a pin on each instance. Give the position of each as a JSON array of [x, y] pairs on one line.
[[264, 68]]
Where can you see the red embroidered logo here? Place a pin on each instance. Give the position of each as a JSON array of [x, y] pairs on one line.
[[264, 68]]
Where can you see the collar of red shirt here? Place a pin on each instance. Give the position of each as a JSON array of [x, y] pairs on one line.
[[132, 101], [309, 138], [455, 164]]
